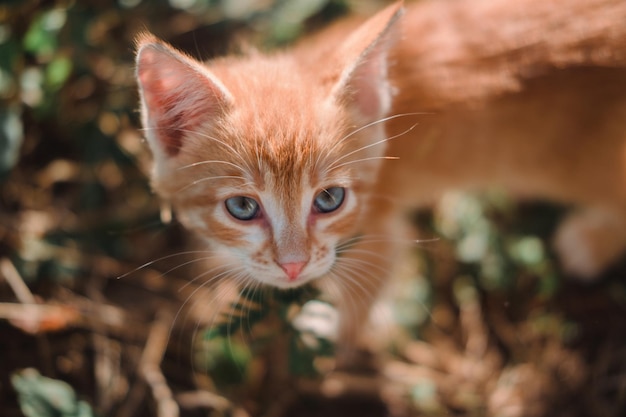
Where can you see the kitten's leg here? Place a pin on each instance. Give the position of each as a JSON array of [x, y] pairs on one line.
[[357, 299], [590, 239], [371, 262]]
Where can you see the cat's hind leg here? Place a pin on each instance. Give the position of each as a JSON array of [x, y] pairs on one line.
[[591, 239]]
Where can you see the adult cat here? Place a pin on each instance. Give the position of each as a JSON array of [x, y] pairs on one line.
[[299, 165]]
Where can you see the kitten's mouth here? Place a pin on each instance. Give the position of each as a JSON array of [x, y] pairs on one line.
[[286, 283]]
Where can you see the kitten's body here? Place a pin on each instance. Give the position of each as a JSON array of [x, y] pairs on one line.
[[546, 142], [282, 130]]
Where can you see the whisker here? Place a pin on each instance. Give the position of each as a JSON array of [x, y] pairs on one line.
[[256, 286], [219, 141], [231, 148], [216, 161], [382, 238], [219, 295], [246, 282], [216, 312], [372, 158], [340, 292], [347, 275], [371, 253], [217, 177], [203, 274], [378, 142], [147, 264], [363, 266], [368, 125], [190, 297], [347, 287], [204, 284], [355, 131]]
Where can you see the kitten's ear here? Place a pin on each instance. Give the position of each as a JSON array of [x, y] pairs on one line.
[[178, 94], [363, 82]]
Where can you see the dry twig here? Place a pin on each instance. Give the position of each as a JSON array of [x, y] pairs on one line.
[[150, 365]]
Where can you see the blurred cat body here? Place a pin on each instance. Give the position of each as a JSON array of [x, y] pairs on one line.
[[300, 165]]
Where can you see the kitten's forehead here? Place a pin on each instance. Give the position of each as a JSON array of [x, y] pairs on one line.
[[292, 160], [283, 125], [277, 100]]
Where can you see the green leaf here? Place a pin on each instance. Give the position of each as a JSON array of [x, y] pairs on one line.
[[41, 39], [289, 17], [528, 250], [11, 135], [57, 72], [40, 396], [10, 55], [226, 359]]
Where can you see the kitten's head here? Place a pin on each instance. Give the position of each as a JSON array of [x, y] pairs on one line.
[[270, 158]]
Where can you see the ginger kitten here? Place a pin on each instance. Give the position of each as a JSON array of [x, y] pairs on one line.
[[299, 166]]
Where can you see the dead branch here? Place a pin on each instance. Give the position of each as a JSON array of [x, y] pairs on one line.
[[204, 399], [15, 281], [150, 366], [37, 318]]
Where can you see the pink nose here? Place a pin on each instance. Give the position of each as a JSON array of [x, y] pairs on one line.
[[293, 269]]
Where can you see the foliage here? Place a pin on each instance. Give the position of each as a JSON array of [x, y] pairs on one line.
[[496, 242], [256, 321], [45, 397]]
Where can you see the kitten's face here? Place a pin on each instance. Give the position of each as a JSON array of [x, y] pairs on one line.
[[278, 223], [269, 160], [274, 191]]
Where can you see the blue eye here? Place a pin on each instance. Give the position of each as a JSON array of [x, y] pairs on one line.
[[329, 199], [242, 208]]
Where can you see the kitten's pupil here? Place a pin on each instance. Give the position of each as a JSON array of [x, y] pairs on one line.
[[242, 208], [330, 199]]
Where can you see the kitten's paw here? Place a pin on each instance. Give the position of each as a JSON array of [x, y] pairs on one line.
[[589, 241]]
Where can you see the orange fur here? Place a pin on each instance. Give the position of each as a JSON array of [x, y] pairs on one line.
[[281, 129]]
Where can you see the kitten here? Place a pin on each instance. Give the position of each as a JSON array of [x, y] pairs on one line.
[[298, 166]]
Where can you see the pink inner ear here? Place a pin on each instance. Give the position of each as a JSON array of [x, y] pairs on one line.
[[364, 83], [370, 89], [177, 97]]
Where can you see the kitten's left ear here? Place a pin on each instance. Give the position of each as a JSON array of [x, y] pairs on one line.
[[363, 83], [178, 94]]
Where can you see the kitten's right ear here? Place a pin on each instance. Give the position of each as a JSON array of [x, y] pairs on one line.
[[178, 94], [363, 60]]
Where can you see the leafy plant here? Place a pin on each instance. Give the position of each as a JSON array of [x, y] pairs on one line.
[[40, 396]]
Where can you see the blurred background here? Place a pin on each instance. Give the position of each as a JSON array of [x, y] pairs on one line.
[[97, 312]]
